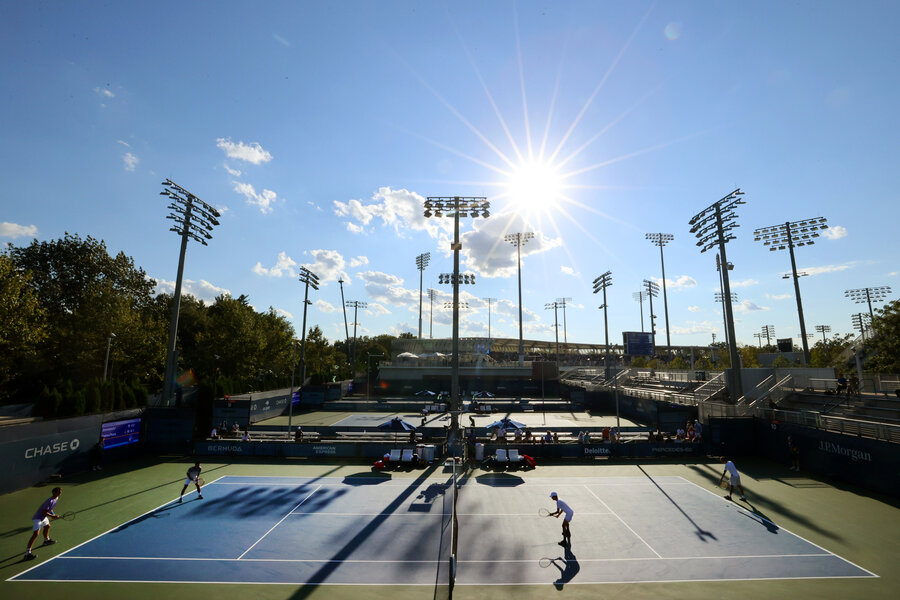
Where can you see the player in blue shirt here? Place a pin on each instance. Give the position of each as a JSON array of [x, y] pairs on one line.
[[42, 519]]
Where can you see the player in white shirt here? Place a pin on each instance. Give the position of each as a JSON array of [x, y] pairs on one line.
[[562, 507], [735, 480], [193, 476]]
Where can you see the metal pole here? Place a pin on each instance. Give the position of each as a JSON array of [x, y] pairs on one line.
[[346, 330], [606, 336], [871, 312], [454, 364], [106, 362], [293, 371], [489, 318], [797, 292], [556, 330], [519, 263], [303, 339], [652, 324], [171, 357], [665, 302], [722, 290], [353, 364], [736, 390], [421, 272]]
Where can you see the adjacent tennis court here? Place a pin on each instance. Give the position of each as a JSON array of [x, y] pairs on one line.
[[381, 530]]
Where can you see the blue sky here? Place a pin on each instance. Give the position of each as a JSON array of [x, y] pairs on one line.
[[319, 128]]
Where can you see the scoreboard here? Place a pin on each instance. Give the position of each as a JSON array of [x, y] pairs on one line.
[[120, 433]]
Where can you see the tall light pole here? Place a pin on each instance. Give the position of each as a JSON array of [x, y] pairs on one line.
[[193, 219], [555, 306], [651, 289], [713, 227], [759, 336], [421, 263], [639, 298], [867, 295], [861, 322], [355, 305], [455, 305], [769, 332], [106, 362], [310, 280], [517, 240], [432, 294], [346, 329], [489, 300], [562, 303], [600, 284], [786, 236], [456, 207], [720, 297], [823, 329], [661, 239]]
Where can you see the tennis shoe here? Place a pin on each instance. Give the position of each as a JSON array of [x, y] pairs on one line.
[[49, 542], [562, 543], [200, 497], [743, 499], [728, 497], [30, 556], [179, 500]]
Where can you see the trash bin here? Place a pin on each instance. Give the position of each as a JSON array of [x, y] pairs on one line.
[[479, 451], [426, 452]]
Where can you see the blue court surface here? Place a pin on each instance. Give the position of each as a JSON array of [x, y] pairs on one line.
[[396, 531]]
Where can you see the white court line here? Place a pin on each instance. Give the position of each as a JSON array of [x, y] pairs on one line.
[[623, 522], [63, 555], [741, 508], [426, 514], [279, 522]]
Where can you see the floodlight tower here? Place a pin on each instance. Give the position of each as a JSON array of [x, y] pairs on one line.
[[310, 280], [661, 239], [455, 207], [562, 303], [421, 263], [517, 240], [713, 227], [600, 284], [455, 280], [432, 294], [651, 289], [823, 329], [769, 332], [555, 306], [639, 298], [786, 236], [720, 297], [194, 219], [346, 329], [489, 300], [861, 322], [759, 336], [867, 295], [355, 305]]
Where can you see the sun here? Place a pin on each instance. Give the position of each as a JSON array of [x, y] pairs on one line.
[[534, 187]]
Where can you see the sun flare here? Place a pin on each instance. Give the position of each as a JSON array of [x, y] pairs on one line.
[[534, 187]]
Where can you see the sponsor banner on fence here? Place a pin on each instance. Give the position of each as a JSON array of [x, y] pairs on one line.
[[30, 460]]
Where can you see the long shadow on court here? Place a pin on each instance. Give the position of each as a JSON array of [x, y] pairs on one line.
[[699, 531], [710, 472], [322, 574], [568, 570]]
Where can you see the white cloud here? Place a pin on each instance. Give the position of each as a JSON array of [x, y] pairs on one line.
[[328, 265], [202, 290], [131, 161], [359, 261], [232, 172], [747, 306], [825, 269], [314, 205], [835, 232], [694, 327], [281, 40], [124, 143], [222, 209], [263, 200], [569, 271], [694, 308], [325, 307], [892, 274], [683, 282], [14, 230], [283, 266], [387, 289], [743, 283], [485, 251], [778, 296], [401, 210], [283, 313], [377, 309], [104, 92], [251, 153], [398, 328]]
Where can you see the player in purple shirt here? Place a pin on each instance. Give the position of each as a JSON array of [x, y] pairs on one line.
[[42, 520]]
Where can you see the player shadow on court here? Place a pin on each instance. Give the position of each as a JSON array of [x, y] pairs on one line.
[[567, 570], [430, 494], [156, 514], [712, 472], [698, 531], [758, 516]]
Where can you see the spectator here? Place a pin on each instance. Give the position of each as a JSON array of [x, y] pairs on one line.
[[235, 428], [214, 434], [548, 437], [518, 435], [853, 385], [841, 384], [97, 456], [528, 429], [698, 430], [795, 454], [246, 436], [298, 435], [679, 433], [587, 438], [412, 436], [555, 437], [604, 434], [501, 432], [580, 437]]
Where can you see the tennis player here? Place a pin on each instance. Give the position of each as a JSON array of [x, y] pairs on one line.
[[731, 470], [42, 519], [562, 507], [193, 476]]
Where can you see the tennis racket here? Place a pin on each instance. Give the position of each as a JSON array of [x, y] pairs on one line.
[[543, 512], [545, 562], [723, 484], [69, 516], [201, 482]]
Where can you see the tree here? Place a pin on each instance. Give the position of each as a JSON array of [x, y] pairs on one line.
[[883, 348], [828, 353], [22, 327]]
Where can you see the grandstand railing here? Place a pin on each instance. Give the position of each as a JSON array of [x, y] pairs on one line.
[[867, 429], [710, 388]]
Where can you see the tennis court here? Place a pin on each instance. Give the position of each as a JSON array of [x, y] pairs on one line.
[[384, 530]]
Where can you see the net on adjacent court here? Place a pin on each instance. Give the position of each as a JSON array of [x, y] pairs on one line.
[[446, 571]]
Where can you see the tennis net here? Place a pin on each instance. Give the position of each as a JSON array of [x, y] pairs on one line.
[[446, 572]]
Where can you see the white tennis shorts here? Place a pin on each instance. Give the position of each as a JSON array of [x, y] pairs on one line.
[[39, 523], [189, 481]]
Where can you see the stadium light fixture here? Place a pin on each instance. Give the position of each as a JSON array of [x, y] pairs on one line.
[[518, 240], [421, 262], [661, 239], [867, 295]]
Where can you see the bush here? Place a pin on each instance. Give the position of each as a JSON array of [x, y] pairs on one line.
[[128, 397], [106, 396], [92, 399], [79, 402], [119, 396], [140, 393]]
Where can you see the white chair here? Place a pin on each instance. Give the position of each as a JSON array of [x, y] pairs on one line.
[[514, 456], [395, 455], [407, 455], [501, 457]]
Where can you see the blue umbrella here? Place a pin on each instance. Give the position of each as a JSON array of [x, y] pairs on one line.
[[397, 424], [507, 424]]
